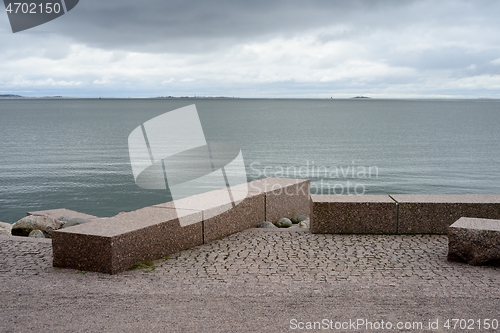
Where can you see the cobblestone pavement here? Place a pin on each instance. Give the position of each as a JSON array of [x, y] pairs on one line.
[[21, 256], [249, 281], [289, 257]]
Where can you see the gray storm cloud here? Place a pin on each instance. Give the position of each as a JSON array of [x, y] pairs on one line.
[[305, 48], [172, 25]]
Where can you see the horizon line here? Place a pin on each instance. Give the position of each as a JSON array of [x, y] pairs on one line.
[[359, 97]]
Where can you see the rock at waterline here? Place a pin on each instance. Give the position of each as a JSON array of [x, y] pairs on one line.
[[5, 229], [27, 224], [298, 218], [284, 223], [72, 221], [267, 224], [36, 234]]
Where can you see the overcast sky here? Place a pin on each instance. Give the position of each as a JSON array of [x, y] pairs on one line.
[[395, 49]]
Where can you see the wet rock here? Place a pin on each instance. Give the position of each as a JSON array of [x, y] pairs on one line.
[[36, 234], [298, 218], [284, 223], [476, 241], [267, 224], [24, 226], [5, 229]]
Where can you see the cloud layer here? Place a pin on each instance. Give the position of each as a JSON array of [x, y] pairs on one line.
[[258, 49]]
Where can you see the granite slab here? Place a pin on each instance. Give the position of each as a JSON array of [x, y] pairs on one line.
[[434, 213], [249, 213], [353, 214], [111, 245], [285, 197], [476, 241]]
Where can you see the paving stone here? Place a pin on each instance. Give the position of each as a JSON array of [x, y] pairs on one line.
[[306, 256]]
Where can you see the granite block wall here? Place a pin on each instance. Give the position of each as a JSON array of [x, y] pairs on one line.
[[432, 214], [285, 197], [247, 214], [353, 214], [398, 214], [111, 245]]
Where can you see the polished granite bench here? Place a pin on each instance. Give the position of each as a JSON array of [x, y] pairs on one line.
[[111, 245], [398, 214], [434, 213], [476, 241], [353, 214]]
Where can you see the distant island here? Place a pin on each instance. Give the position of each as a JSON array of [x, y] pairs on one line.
[[205, 97], [10, 96], [361, 97], [18, 96]]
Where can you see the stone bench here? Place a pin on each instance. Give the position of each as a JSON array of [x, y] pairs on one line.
[[111, 245], [434, 213], [398, 214], [476, 241], [353, 214]]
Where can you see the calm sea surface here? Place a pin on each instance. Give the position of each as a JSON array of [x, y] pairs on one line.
[[74, 153]]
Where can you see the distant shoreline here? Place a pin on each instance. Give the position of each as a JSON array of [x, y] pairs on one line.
[[361, 97]]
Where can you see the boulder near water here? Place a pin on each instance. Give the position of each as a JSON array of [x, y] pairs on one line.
[[267, 224], [72, 221], [27, 224], [283, 223], [36, 234], [298, 218], [5, 229]]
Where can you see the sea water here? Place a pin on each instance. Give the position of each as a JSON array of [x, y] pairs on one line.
[[73, 153]]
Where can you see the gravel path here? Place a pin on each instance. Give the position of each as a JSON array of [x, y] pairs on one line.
[[255, 281]]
